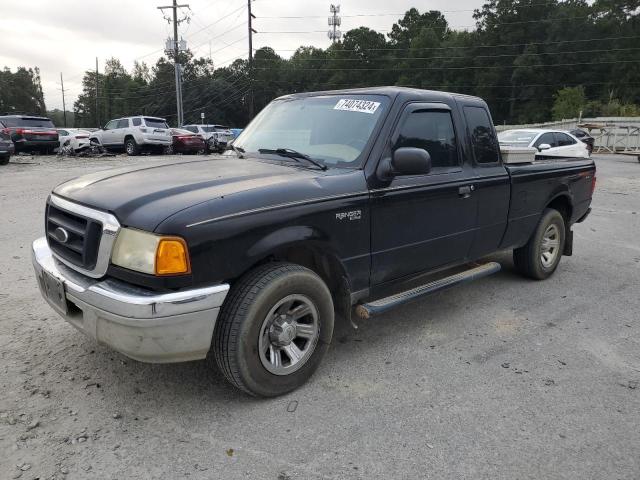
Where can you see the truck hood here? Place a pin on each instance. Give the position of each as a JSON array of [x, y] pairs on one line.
[[143, 196]]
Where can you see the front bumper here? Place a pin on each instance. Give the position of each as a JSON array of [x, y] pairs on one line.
[[142, 324]]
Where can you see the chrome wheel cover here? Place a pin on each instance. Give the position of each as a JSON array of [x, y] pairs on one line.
[[289, 334], [550, 246]]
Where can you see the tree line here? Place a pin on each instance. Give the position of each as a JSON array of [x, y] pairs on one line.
[[531, 60]]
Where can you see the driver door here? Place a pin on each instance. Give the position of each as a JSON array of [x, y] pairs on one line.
[[107, 134], [421, 222]]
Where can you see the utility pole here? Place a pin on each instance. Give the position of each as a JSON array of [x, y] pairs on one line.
[[64, 105], [176, 52], [334, 21], [97, 110], [251, 32]]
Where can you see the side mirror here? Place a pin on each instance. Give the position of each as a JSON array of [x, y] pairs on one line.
[[544, 146], [411, 161]]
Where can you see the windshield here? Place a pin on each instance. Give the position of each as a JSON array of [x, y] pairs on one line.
[[180, 131], [331, 129], [27, 122], [155, 123], [517, 137]]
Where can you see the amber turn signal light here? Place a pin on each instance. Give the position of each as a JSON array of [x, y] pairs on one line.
[[172, 257]]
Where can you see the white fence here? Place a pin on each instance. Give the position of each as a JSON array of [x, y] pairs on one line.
[[612, 134]]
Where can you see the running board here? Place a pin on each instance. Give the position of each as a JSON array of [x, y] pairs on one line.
[[366, 310]]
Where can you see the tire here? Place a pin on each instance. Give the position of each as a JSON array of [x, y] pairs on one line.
[[548, 238], [4, 159], [131, 147], [247, 326], [168, 150]]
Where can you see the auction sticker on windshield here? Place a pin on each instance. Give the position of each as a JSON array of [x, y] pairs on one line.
[[363, 106]]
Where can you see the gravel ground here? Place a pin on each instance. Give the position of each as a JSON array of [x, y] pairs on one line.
[[499, 379]]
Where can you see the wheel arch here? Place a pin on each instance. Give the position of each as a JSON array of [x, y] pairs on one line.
[[310, 248], [563, 203]]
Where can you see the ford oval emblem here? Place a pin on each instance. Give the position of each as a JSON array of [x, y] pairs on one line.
[[61, 235]]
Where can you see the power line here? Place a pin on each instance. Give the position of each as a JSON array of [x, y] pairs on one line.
[[337, 59], [463, 68], [465, 47]]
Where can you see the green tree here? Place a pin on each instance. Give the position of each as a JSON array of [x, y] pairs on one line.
[[568, 103], [21, 91]]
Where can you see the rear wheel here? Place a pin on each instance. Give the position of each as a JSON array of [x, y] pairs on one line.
[[4, 159], [273, 330], [131, 147], [540, 257]]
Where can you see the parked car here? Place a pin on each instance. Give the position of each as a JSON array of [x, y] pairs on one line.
[[216, 136], [30, 133], [6, 147], [551, 144], [134, 135], [584, 137], [74, 138], [329, 203], [185, 141]]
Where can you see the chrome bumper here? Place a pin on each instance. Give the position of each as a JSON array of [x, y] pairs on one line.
[[142, 324]]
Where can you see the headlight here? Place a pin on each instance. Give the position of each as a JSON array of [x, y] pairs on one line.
[[148, 253]]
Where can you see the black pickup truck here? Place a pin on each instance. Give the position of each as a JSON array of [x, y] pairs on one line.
[[330, 203]]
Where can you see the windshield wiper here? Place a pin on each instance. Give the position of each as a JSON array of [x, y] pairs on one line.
[[290, 153], [239, 150]]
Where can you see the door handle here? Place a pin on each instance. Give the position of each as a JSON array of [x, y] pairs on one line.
[[465, 191]]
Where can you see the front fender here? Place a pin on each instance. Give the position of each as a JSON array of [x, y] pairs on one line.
[[285, 238]]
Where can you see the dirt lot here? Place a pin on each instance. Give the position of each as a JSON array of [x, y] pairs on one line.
[[500, 379]]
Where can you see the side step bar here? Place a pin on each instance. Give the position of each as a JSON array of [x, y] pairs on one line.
[[366, 310]]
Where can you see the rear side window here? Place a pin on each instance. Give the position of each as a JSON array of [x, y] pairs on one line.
[[27, 122], [155, 123], [137, 122], [483, 137], [123, 123], [564, 140], [431, 130], [192, 129], [547, 138]]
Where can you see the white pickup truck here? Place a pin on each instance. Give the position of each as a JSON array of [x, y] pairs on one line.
[[134, 134]]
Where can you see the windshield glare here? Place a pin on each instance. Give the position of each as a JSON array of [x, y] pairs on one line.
[[332, 129], [516, 137]]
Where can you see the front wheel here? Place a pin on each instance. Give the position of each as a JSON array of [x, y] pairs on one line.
[[4, 159], [540, 257], [273, 330]]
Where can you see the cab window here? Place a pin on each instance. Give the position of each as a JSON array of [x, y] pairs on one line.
[[123, 123], [111, 125], [483, 137], [431, 130]]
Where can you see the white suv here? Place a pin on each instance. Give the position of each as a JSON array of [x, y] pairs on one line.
[[134, 134], [216, 136]]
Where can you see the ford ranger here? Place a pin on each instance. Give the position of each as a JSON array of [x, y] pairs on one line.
[[329, 204]]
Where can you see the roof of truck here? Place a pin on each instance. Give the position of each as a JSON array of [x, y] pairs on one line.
[[389, 91]]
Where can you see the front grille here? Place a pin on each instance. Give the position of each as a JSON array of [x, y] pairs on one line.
[[83, 237]]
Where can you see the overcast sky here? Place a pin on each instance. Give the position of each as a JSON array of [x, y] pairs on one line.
[[67, 35]]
